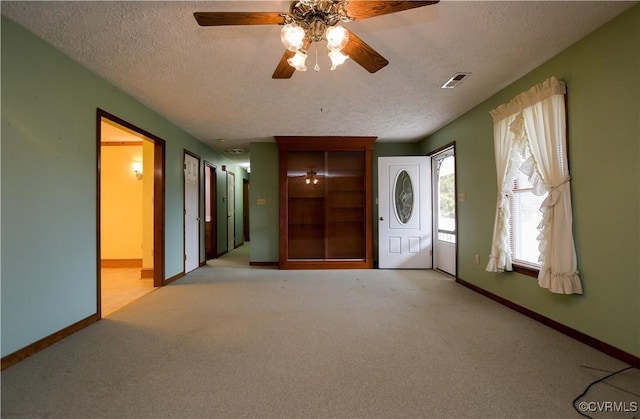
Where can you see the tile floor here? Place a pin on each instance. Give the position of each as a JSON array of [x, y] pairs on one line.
[[121, 286]]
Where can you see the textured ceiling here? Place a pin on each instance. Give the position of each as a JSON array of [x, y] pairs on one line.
[[215, 82]]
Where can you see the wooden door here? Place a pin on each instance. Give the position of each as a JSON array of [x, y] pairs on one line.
[[245, 210]]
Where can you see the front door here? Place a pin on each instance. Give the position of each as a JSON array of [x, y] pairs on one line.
[[404, 212]]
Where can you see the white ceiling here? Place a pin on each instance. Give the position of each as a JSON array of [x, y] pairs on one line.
[[215, 82]]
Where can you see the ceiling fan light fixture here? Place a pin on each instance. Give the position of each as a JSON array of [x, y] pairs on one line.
[[298, 61], [337, 37], [292, 36], [310, 21], [337, 58]]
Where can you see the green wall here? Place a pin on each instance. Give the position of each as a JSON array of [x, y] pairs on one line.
[[48, 181], [264, 224], [602, 74]]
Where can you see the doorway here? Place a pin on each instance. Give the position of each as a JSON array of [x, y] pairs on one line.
[[130, 213], [210, 211], [444, 210], [245, 210]]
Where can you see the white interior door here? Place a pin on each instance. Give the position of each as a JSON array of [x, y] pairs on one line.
[[444, 212], [231, 211], [404, 212], [191, 213]]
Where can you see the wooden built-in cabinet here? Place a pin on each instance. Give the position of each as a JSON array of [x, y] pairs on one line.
[[325, 202]]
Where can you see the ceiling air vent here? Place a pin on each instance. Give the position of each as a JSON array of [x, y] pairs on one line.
[[235, 151], [455, 80]]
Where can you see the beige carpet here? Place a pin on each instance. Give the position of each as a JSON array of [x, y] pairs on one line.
[[234, 341]]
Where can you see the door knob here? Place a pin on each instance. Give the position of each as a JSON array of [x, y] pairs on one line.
[[381, 218]]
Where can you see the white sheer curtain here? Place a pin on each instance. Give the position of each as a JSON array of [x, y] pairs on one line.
[[500, 257], [537, 122]]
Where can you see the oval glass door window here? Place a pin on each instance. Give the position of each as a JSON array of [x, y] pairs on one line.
[[403, 197]]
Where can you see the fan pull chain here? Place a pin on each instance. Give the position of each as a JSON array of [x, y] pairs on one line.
[[316, 67]]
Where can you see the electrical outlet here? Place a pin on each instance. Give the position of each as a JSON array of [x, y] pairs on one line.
[[477, 259]]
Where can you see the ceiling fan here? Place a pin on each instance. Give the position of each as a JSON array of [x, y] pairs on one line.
[[311, 21]]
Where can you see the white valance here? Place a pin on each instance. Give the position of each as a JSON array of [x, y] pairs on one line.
[[537, 93]]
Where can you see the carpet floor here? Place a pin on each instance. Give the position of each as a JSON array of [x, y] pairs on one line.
[[233, 341]]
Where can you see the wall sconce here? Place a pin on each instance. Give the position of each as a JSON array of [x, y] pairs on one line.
[[137, 169]]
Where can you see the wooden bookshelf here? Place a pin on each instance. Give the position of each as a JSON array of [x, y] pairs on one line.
[[325, 202]]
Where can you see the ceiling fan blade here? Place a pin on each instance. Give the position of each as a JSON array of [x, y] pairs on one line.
[[363, 54], [284, 70], [366, 9], [238, 18]]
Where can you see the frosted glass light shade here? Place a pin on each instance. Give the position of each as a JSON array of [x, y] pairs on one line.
[[292, 36], [137, 169], [337, 37], [298, 61], [337, 58]]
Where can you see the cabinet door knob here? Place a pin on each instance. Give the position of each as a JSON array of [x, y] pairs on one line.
[[381, 218]]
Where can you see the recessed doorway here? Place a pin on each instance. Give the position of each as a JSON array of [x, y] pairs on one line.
[[210, 211], [130, 213]]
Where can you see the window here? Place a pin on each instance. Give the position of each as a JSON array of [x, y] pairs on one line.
[[525, 218], [530, 134]]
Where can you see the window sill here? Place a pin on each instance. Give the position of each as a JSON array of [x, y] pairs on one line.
[[526, 270]]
